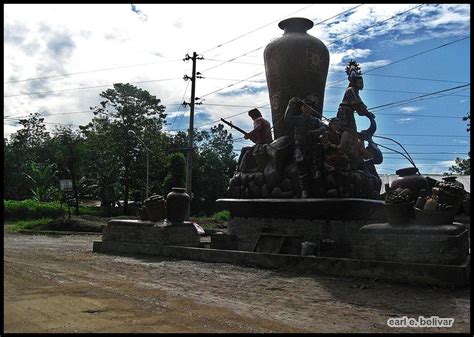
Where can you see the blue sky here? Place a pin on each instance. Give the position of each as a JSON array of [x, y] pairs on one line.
[[147, 43]]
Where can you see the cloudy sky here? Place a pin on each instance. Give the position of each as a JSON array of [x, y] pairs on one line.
[[58, 58]]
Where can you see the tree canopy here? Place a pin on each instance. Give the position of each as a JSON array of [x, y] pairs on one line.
[[107, 161]]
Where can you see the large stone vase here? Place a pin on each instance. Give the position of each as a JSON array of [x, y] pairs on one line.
[[296, 64], [177, 205], [410, 178]]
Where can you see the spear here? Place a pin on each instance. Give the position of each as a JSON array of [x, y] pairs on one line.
[[233, 126]]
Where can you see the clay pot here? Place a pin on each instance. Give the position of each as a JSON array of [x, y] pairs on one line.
[[177, 205], [155, 208], [410, 178], [296, 64], [434, 218], [452, 179], [399, 214]]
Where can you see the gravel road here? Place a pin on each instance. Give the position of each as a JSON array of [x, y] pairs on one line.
[[57, 284]]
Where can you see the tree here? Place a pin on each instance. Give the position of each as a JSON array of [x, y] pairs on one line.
[[101, 162], [125, 108], [26, 146], [176, 168], [462, 166], [213, 167], [43, 178], [67, 146]]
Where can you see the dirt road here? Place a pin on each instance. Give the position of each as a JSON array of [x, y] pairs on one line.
[[56, 284]]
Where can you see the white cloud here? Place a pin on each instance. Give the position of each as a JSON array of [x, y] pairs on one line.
[[106, 36], [437, 167], [409, 109], [404, 120]]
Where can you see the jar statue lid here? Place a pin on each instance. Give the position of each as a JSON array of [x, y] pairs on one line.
[[178, 189], [407, 171], [296, 25], [450, 178]]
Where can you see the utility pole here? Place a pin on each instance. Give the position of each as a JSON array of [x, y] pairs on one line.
[[190, 150]]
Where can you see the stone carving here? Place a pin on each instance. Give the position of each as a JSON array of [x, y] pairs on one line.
[[319, 158]]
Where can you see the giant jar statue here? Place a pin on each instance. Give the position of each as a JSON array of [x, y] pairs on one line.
[[296, 64]]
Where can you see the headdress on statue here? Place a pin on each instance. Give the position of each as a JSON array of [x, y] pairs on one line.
[[353, 70]]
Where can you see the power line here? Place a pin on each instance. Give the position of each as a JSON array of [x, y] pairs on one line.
[[417, 115], [365, 89], [374, 25], [421, 53], [254, 30], [372, 108], [418, 97], [254, 50], [418, 159], [89, 71], [405, 58], [168, 105], [415, 78], [432, 145], [240, 113], [85, 88], [181, 105], [65, 113], [431, 152], [339, 72], [396, 91], [213, 92], [421, 135]]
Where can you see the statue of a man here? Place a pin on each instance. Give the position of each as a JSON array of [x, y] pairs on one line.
[[352, 102], [306, 121]]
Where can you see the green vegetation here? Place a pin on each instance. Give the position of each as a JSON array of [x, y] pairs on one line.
[[30, 209], [216, 221], [106, 159], [22, 225], [221, 216]]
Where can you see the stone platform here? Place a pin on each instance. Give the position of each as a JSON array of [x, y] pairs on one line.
[[411, 273], [309, 209], [336, 222], [147, 232], [351, 236], [445, 245]]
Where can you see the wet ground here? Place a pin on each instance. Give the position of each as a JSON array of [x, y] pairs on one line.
[[56, 284]]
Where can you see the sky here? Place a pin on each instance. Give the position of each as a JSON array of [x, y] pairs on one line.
[[59, 58]]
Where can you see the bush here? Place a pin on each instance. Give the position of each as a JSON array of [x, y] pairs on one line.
[[29, 224], [30, 209], [221, 216]]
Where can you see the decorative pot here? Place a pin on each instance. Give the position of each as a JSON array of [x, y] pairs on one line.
[[155, 208], [296, 64], [452, 179], [399, 214], [177, 205], [410, 178], [434, 218]]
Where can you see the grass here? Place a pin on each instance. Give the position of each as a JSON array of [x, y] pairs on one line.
[[30, 209], [216, 221], [36, 224], [55, 226]]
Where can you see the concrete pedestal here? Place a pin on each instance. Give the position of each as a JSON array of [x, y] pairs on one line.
[[444, 245], [159, 233]]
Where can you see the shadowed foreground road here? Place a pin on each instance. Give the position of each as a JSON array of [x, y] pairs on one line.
[[56, 284]]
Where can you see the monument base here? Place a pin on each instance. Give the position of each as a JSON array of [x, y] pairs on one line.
[[445, 244], [159, 233]]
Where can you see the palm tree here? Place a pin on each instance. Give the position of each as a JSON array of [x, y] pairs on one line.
[[42, 177]]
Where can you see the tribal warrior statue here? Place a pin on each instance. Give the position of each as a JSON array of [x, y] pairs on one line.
[[352, 102]]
